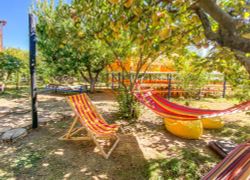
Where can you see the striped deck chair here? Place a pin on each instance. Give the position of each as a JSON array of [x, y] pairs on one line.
[[91, 121], [236, 165]]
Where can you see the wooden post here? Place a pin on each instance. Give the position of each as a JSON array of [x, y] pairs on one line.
[[32, 57], [119, 80], [169, 85], [112, 81], [123, 78], [107, 79], [224, 88]]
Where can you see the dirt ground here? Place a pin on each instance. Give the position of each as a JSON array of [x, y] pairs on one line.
[[146, 149]]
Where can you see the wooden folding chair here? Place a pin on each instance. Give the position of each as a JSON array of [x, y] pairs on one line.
[[90, 121]]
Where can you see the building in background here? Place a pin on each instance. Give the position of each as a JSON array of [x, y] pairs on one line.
[[2, 24]]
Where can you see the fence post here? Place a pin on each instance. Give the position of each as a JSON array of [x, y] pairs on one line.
[[169, 85], [112, 81], [119, 80], [107, 79], [224, 88]]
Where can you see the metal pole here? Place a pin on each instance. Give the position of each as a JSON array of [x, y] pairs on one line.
[[32, 57], [169, 85], [224, 88]]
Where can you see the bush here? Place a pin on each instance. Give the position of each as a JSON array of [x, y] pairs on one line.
[[128, 107]]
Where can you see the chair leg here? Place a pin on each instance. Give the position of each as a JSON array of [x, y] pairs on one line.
[[71, 128], [113, 147], [106, 155], [72, 131]]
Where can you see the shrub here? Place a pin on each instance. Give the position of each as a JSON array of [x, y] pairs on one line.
[[128, 107]]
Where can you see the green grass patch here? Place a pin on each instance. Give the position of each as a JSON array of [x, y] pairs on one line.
[[26, 160], [237, 133], [12, 93], [23, 162], [191, 164]]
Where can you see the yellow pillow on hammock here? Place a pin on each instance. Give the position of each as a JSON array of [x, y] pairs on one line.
[[185, 129], [212, 123]]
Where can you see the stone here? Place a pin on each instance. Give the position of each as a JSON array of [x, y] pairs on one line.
[[14, 134], [26, 125], [4, 129]]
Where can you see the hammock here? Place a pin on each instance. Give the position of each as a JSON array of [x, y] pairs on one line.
[[167, 109]]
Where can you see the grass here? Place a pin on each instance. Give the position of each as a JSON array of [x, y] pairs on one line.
[[237, 133], [12, 93], [24, 161], [191, 164]]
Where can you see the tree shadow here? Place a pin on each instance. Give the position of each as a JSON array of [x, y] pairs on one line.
[[186, 166], [237, 133], [42, 156]]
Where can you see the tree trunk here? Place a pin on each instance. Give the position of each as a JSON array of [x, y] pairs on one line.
[[6, 79], [93, 81], [17, 80], [92, 85]]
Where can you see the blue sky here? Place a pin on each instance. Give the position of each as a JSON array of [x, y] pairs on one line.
[[15, 12]]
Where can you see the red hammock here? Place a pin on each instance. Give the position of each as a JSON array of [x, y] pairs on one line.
[[167, 109]]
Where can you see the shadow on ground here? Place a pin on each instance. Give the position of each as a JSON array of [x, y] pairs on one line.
[[42, 156]]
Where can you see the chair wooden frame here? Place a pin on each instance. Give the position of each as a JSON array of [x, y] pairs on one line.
[[72, 132]]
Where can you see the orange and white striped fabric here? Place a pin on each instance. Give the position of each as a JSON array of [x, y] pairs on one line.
[[236, 165], [89, 117]]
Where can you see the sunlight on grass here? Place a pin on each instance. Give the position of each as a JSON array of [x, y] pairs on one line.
[[27, 160], [236, 132], [5, 174], [59, 152], [190, 165], [14, 93]]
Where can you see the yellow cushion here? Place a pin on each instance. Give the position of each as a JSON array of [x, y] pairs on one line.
[[185, 129], [212, 123]]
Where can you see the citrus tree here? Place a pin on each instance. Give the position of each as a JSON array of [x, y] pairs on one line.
[[13, 65], [66, 47], [191, 76], [142, 31], [228, 24]]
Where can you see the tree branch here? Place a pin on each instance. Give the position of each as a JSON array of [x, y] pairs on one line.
[[220, 16], [84, 77], [232, 41], [206, 25], [244, 60]]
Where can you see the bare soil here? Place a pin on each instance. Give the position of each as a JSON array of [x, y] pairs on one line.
[[41, 155]]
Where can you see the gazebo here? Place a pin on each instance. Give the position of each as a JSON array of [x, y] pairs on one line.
[[161, 75]]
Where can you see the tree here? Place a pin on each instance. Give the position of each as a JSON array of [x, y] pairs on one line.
[[223, 60], [13, 61], [65, 45], [191, 76], [233, 25], [141, 31]]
